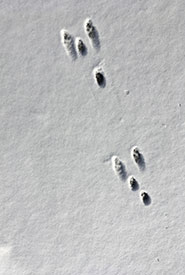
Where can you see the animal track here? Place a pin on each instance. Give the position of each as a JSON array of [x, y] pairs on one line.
[[119, 167], [99, 77], [120, 171], [80, 46], [138, 158], [68, 43], [92, 33], [145, 197], [72, 48], [133, 184]]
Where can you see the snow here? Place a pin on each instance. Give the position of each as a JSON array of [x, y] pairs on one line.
[[63, 209]]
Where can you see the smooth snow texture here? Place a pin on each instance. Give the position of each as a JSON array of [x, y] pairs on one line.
[[63, 209]]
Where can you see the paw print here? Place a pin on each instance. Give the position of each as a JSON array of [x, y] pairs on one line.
[[138, 158], [133, 183], [92, 33], [75, 47], [119, 167], [99, 77], [67, 41], [120, 170], [145, 197], [80, 46]]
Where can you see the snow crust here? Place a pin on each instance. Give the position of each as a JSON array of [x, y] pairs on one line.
[[63, 209]]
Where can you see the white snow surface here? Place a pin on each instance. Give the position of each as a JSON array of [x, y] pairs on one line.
[[62, 209]]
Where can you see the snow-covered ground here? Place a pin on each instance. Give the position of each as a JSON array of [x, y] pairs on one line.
[[64, 209]]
